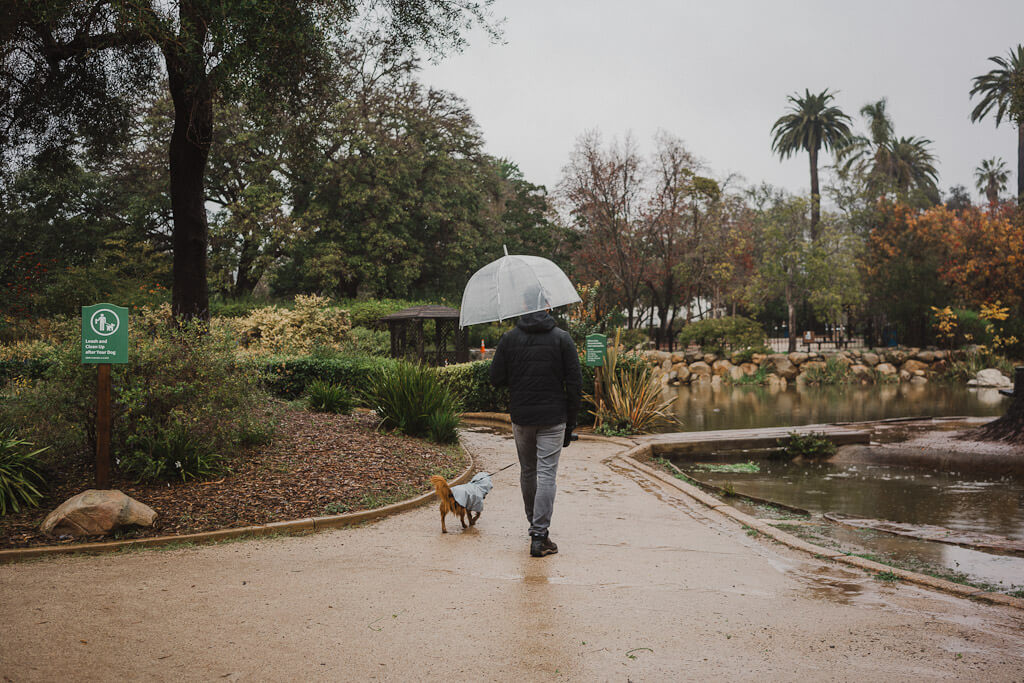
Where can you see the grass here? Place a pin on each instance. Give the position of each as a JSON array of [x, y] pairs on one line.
[[888, 577], [749, 466]]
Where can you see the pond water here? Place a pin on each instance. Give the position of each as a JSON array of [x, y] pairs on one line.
[[968, 503], [702, 407]]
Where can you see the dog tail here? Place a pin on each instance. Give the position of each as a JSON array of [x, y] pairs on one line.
[[441, 487]]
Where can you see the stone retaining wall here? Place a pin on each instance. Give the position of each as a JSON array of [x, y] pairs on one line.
[[866, 367]]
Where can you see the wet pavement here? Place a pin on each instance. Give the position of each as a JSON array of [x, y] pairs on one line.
[[648, 585]]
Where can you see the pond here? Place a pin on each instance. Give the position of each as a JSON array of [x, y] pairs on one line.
[[967, 503], [702, 407]]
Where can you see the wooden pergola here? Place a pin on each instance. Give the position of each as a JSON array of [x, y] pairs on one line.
[[409, 338]]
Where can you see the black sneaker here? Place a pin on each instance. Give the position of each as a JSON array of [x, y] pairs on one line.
[[541, 546]]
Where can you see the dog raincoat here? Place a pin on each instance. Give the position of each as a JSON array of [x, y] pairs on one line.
[[471, 496]]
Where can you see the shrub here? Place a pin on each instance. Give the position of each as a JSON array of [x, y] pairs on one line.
[[717, 335], [629, 339], [20, 478], [361, 341], [632, 399], [288, 377], [811, 445], [366, 313], [310, 323], [179, 378], [328, 398], [443, 426], [410, 399], [834, 372], [170, 451], [471, 384]]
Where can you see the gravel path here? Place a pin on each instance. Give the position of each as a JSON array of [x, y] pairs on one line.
[[648, 586]]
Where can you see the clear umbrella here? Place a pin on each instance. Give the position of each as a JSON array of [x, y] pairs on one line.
[[512, 286]]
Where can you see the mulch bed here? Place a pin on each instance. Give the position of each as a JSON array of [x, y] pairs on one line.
[[318, 464]]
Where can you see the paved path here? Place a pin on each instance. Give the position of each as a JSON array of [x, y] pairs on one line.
[[647, 587]]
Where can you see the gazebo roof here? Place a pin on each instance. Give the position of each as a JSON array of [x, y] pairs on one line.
[[431, 312]]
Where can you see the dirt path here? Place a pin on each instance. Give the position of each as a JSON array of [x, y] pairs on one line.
[[647, 586]]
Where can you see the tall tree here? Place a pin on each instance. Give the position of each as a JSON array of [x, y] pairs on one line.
[[811, 125], [990, 178], [76, 66], [603, 188], [1002, 89]]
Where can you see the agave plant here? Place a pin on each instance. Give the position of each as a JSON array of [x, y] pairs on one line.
[[633, 400], [411, 399], [20, 480]]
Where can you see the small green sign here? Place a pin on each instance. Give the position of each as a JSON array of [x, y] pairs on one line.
[[104, 334], [597, 348]]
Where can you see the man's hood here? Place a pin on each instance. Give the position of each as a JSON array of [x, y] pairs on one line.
[[540, 321]]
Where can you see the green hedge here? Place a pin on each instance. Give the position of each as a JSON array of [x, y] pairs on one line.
[[716, 335], [472, 384], [289, 377]]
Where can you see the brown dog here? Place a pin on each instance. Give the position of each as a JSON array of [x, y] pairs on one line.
[[449, 504]]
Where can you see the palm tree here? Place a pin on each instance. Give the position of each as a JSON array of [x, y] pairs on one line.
[[1002, 89], [908, 163], [990, 178], [890, 164], [811, 125]]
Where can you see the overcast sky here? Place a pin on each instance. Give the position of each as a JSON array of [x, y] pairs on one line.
[[716, 74]]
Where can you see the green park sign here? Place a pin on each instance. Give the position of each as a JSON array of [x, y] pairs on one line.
[[104, 334], [596, 349]]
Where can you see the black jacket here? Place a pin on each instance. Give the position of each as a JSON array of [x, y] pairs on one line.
[[538, 362]]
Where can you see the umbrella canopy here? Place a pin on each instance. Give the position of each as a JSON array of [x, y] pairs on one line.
[[513, 286]]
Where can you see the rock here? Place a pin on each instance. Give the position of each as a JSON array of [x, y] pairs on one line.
[[918, 380], [992, 377], [925, 356], [95, 513], [885, 369], [749, 368], [736, 373], [861, 371], [721, 367], [682, 373], [870, 359], [678, 358], [758, 358], [904, 376], [895, 356], [691, 355], [782, 366], [839, 358], [673, 377], [940, 355], [913, 366], [709, 358], [716, 382], [798, 357], [700, 368], [666, 364]]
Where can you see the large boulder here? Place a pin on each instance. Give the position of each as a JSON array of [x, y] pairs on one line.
[[710, 358], [862, 372], [990, 377], [700, 369], [682, 373], [915, 366], [781, 365], [869, 359], [721, 367], [798, 357], [749, 369], [96, 513], [925, 356], [692, 354], [736, 373], [895, 356], [885, 369]]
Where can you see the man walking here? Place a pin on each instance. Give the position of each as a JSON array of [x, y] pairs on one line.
[[538, 362]]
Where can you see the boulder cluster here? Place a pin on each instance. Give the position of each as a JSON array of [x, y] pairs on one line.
[[865, 366]]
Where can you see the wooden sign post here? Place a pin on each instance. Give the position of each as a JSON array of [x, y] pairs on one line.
[[104, 341]]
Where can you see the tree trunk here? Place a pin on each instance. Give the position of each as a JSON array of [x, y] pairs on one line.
[[192, 95], [1010, 427], [791, 309], [246, 279], [815, 196], [1020, 164]]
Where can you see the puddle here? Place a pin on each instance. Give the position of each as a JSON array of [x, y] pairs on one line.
[[968, 505]]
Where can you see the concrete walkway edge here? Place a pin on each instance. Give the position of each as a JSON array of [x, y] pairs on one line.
[[629, 458]]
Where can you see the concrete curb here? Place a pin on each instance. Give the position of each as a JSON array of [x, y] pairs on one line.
[[629, 458], [307, 525]]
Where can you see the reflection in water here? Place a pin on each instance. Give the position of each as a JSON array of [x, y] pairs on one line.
[[704, 407], [972, 504]]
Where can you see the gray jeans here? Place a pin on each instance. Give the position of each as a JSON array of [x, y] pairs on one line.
[[538, 448]]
